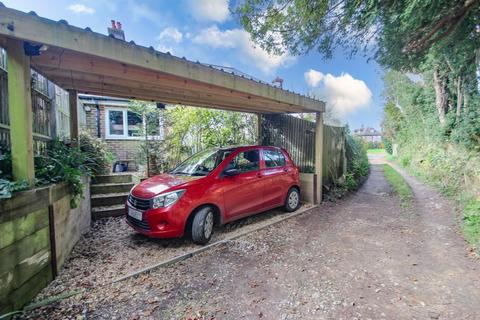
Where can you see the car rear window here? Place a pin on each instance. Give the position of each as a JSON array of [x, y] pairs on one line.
[[273, 158]]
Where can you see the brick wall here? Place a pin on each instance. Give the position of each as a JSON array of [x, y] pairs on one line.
[[122, 148]]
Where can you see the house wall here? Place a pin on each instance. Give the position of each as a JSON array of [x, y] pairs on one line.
[[30, 222], [121, 148]]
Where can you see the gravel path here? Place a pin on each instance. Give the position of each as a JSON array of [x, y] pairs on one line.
[[362, 258]]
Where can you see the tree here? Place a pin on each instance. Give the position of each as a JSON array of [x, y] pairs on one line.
[[439, 36]]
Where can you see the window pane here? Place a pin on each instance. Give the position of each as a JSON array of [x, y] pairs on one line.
[[116, 122], [246, 161], [280, 159], [134, 124], [270, 158]]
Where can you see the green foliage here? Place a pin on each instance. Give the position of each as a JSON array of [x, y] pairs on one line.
[[388, 145], [357, 161], [399, 185], [8, 187], [399, 34], [194, 129], [62, 163], [471, 223], [59, 162], [98, 158]]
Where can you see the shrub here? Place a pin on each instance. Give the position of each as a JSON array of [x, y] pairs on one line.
[[98, 157], [357, 161], [388, 145]]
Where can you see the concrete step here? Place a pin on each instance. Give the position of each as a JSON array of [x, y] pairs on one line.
[[108, 199], [112, 178], [108, 211], [111, 188]]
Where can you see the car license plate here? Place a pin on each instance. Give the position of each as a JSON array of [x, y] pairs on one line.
[[135, 213]]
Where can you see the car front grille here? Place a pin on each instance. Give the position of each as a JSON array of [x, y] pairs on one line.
[[138, 203], [141, 224]]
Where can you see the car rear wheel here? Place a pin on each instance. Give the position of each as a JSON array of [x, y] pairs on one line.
[[292, 202], [202, 225]]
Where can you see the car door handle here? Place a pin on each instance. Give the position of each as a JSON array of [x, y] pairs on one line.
[[259, 175]]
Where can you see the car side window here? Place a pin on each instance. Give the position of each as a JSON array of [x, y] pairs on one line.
[[246, 161], [281, 159], [273, 158]]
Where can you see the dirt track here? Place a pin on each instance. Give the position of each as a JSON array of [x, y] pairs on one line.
[[363, 258]]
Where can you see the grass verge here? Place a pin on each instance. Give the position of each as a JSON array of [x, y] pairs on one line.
[[399, 185], [376, 151], [471, 223]]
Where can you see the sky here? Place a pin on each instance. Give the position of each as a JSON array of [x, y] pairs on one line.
[[207, 31]]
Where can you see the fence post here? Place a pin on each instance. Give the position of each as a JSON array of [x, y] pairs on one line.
[[259, 129], [318, 156], [20, 107], [72, 99]]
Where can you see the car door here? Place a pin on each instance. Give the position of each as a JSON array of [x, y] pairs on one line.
[[243, 193], [275, 175]]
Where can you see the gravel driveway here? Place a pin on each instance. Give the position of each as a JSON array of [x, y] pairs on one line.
[[364, 257]]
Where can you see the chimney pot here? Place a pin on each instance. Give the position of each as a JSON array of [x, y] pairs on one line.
[[113, 24], [119, 25]]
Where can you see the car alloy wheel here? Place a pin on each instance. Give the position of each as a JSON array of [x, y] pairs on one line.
[[293, 199], [208, 227]]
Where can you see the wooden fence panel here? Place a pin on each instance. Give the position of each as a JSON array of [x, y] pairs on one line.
[[297, 136]]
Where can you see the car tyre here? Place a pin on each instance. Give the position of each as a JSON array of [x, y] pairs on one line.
[[292, 202], [202, 225]]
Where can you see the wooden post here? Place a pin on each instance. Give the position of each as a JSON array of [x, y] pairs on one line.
[[20, 106], [74, 128], [318, 155], [259, 129]]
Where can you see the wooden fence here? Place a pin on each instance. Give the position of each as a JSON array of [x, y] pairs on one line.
[[47, 98], [297, 136]]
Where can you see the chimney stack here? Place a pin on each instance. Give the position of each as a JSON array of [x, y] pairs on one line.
[[115, 31]]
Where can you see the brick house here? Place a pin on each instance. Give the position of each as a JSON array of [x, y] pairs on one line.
[[368, 134], [112, 120]]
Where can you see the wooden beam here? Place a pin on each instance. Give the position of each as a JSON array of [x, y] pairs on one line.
[[319, 155], [165, 95], [20, 106], [74, 127], [73, 66]]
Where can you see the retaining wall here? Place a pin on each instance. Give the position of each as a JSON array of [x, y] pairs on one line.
[[36, 225]]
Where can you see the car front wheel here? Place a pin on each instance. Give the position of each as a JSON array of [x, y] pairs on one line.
[[202, 226], [292, 202]]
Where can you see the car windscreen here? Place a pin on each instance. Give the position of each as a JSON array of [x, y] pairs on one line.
[[202, 163]]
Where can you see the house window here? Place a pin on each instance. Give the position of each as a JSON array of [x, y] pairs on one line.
[[125, 124]]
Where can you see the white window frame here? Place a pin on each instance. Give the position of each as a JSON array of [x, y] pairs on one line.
[[125, 135]]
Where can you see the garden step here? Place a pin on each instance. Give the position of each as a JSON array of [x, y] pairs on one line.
[[108, 211], [108, 199], [112, 178], [111, 187]]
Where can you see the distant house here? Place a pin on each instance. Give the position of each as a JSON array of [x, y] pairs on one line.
[[368, 134], [122, 129]]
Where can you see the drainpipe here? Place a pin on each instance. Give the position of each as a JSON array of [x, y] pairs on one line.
[[98, 120]]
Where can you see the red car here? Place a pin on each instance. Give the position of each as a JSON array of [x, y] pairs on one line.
[[213, 187]]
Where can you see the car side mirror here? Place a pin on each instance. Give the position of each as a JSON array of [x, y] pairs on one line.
[[231, 172]]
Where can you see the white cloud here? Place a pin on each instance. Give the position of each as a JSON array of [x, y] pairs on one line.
[[343, 94], [209, 10], [246, 50], [171, 34], [80, 8]]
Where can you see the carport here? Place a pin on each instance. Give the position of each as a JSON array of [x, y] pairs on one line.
[[83, 61]]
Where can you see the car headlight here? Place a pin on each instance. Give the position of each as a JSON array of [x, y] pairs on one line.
[[167, 199]]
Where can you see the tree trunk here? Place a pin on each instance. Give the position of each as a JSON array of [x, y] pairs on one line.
[[440, 96], [459, 98]]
